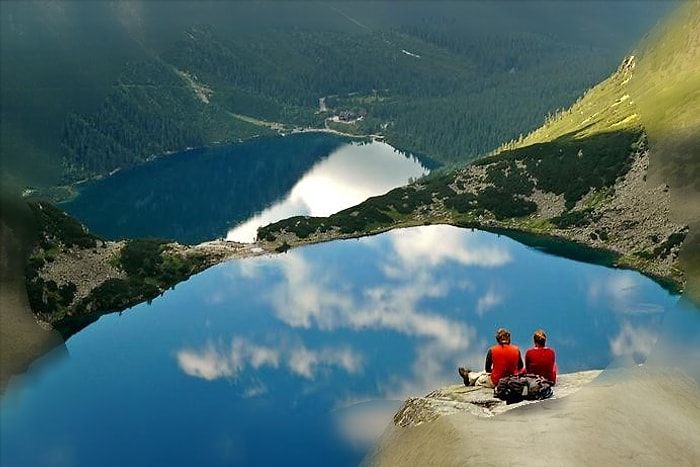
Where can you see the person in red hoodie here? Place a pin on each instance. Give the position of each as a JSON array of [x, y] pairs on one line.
[[541, 360], [503, 359]]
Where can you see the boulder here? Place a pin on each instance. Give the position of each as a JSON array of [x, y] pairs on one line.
[[476, 400]]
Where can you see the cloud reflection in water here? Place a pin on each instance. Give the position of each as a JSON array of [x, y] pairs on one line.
[[313, 295], [214, 362], [639, 321], [309, 296], [346, 178]]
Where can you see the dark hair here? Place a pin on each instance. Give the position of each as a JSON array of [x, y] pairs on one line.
[[503, 336], [539, 337]]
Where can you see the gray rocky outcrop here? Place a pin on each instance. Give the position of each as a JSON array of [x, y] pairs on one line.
[[637, 416], [476, 400]]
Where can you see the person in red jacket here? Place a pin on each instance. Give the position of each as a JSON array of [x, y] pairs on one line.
[[503, 359], [541, 360]]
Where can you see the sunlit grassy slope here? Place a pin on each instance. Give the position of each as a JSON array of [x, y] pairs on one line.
[[657, 90], [666, 83], [607, 107], [666, 86]]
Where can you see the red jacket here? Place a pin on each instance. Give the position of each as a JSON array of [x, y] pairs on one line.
[[541, 361], [503, 360]]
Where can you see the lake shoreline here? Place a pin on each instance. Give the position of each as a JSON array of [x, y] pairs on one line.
[[71, 264], [65, 193], [546, 242], [627, 225]]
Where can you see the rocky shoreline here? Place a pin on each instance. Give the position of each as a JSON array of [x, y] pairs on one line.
[[630, 222], [627, 226], [477, 400], [632, 217], [89, 268]]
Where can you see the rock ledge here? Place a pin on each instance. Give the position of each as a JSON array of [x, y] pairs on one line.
[[477, 400]]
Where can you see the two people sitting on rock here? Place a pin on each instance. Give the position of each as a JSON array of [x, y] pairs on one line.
[[504, 359]]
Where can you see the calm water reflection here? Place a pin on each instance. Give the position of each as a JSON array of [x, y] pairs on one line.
[[301, 359], [202, 194], [350, 175]]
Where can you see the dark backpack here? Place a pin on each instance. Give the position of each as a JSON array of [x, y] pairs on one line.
[[517, 388]]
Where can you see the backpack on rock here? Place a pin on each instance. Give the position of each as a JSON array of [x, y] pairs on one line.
[[517, 388]]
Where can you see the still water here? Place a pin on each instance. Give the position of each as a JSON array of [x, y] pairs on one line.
[[229, 191], [302, 358]]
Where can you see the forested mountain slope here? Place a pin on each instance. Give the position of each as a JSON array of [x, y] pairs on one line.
[[91, 87]]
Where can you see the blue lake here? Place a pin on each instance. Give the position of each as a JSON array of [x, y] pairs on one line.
[[302, 358]]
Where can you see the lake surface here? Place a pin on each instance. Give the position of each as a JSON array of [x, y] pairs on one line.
[[302, 358], [229, 191]]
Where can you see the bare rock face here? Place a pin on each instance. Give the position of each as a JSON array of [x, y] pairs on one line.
[[86, 268], [629, 416], [476, 400]]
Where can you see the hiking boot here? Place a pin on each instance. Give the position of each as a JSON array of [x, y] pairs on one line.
[[464, 373]]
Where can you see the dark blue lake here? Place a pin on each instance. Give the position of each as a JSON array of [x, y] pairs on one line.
[[302, 358], [231, 190]]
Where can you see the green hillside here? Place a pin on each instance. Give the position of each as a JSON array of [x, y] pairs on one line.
[[666, 86]]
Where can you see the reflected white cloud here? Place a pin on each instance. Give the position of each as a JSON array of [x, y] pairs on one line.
[[621, 291], [251, 267], [347, 177], [643, 309], [387, 314], [255, 390], [207, 364], [304, 362], [489, 300], [430, 246], [634, 341], [214, 362], [307, 297], [622, 288], [311, 298]]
